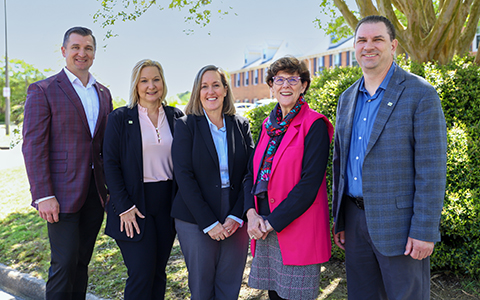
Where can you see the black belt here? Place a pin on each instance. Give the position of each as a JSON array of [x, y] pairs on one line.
[[357, 200]]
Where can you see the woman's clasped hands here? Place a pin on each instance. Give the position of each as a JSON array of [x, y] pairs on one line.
[[223, 231], [258, 228]]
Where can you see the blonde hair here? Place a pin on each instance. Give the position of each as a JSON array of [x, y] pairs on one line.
[[194, 105], [137, 69]]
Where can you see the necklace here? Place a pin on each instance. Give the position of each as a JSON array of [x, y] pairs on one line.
[[157, 129]]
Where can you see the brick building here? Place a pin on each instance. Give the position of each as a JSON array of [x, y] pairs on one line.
[[248, 83]]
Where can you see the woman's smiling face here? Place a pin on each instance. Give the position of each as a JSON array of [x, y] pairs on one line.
[[287, 94]]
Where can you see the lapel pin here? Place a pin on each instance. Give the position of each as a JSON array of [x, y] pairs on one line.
[[130, 122], [389, 103], [101, 90]]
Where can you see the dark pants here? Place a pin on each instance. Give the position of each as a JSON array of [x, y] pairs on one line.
[[371, 275], [147, 259], [71, 242], [215, 268]]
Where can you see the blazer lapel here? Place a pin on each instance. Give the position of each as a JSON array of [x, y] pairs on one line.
[[345, 121], [291, 133], [169, 114], [230, 126], [207, 138], [389, 101], [66, 86], [134, 135], [102, 107]]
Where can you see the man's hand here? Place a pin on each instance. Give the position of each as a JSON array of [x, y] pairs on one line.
[[49, 210], [339, 238], [418, 249]]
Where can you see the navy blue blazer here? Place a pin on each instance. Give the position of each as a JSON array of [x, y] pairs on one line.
[[196, 168], [123, 163]]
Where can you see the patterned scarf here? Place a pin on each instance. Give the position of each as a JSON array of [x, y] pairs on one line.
[[276, 128]]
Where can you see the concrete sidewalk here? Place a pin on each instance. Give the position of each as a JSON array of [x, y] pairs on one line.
[[23, 286], [6, 296], [16, 285]]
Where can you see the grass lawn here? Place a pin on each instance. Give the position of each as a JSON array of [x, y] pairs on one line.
[[25, 247]]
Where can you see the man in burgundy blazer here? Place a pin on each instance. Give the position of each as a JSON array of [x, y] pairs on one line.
[[64, 122]]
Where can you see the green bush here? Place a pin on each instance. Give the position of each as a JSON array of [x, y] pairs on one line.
[[458, 86]]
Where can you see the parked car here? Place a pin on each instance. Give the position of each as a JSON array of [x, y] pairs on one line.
[[243, 107], [264, 101]]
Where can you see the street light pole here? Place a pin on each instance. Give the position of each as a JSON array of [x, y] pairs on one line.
[[6, 91]]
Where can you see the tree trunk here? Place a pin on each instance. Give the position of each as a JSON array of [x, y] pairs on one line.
[[426, 35]]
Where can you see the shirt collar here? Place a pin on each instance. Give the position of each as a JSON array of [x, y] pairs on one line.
[[144, 110], [213, 126], [384, 83], [74, 79]]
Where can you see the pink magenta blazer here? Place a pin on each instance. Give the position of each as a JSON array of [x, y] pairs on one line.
[[306, 240]]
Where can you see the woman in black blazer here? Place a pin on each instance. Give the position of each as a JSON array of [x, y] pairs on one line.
[[139, 176], [211, 149]]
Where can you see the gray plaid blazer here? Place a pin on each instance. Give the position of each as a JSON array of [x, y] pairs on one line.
[[404, 171]]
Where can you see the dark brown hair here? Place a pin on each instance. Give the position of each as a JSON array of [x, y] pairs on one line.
[[291, 65]]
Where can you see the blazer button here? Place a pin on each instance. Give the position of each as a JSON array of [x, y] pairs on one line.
[[272, 200]]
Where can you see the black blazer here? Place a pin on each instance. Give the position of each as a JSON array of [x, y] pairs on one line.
[[196, 167], [123, 163]]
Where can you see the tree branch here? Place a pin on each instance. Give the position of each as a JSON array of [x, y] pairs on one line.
[[347, 13], [466, 36], [438, 33], [366, 8]]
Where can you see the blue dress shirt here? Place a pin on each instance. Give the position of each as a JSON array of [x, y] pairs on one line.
[[365, 114], [219, 136]]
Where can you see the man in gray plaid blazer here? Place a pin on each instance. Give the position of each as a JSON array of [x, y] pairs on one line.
[[389, 170]]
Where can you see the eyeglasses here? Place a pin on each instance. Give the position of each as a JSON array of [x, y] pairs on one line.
[[292, 80]]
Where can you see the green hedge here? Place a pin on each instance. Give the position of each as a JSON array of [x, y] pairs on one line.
[[458, 85]]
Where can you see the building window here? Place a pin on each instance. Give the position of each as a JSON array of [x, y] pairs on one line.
[[256, 76], [354, 60], [237, 80], [330, 63], [338, 59], [348, 58], [321, 64], [246, 78], [476, 40]]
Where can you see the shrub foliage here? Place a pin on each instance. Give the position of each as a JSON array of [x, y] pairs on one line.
[[458, 86]]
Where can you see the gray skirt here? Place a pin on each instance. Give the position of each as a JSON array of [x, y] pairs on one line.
[[290, 282]]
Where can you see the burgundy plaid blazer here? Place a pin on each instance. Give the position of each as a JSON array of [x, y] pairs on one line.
[[58, 148]]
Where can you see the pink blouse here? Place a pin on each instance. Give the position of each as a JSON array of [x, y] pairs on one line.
[[157, 144]]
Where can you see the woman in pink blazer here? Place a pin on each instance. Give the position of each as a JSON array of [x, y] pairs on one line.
[[285, 191]]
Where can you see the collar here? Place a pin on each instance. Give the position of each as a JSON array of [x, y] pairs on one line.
[[144, 110], [74, 79], [211, 125], [384, 83]]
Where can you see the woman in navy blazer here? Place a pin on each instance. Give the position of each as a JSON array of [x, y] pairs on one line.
[[210, 152], [139, 176]]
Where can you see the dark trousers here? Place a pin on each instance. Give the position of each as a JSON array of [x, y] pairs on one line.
[[215, 269], [147, 259], [371, 275], [72, 240]]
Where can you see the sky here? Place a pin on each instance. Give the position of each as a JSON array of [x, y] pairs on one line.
[[35, 31]]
